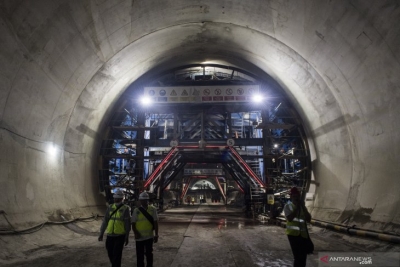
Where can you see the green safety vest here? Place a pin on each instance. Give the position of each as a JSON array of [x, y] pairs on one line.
[[298, 225], [144, 227], [116, 224]]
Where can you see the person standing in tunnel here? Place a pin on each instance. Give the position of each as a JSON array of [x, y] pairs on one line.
[[297, 217], [188, 200], [144, 224], [117, 225]]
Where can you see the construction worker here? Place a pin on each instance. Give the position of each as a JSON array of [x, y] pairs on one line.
[[117, 225], [144, 224], [297, 217]]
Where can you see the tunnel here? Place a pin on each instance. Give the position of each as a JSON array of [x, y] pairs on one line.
[[68, 67]]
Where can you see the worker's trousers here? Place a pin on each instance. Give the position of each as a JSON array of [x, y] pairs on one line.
[[114, 246], [144, 247], [298, 245]]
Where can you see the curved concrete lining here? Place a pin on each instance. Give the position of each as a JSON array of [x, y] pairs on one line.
[[64, 65]]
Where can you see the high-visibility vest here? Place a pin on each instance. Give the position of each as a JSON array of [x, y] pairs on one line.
[[144, 227], [116, 224], [298, 225]]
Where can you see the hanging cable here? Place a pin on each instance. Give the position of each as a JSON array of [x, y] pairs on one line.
[[39, 226]]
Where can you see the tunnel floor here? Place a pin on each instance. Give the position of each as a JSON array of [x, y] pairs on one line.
[[200, 235]]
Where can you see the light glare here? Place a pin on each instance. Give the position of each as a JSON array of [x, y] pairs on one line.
[[145, 100], [257, 98], [52, 149]]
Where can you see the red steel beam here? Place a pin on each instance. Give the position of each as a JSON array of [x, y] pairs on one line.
[[220, 188], [159, 167], [244, 163], [186, 188]]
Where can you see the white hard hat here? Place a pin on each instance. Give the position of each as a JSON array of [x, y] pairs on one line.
[[144, 196], [118, 194]]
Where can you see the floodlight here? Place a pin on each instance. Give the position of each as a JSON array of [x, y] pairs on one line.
[[257, 98], [145, 100], [52, 149]]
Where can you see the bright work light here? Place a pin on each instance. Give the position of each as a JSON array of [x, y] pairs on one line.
[[145, 100], [257, 98]]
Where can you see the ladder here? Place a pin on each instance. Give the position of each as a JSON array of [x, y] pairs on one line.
[[255, 166], [237, 126], [257, 199]]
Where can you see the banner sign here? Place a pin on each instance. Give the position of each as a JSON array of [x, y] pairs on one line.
[[202, 94], [203, 172]]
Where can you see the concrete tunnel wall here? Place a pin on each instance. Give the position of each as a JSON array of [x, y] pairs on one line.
[[64, 64]]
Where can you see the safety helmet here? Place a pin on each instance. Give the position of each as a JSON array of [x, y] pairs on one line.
[[118, 194], [294, 191], [144, 196]]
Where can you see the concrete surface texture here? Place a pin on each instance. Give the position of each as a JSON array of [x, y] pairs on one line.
[[197, 236], [65, 63]]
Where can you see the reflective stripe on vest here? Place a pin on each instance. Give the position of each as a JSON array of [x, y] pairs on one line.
[[144, 227], [297, 226], [116, 224]]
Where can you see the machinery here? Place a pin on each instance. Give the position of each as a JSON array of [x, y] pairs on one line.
[[207, 134]]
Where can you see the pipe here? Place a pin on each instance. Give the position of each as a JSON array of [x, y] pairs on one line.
[[354, 227], [358, 232], [350, 230]]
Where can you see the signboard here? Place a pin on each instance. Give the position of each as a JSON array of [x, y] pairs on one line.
[[230, 142], [202, 94], [203, 172], [271, 199]]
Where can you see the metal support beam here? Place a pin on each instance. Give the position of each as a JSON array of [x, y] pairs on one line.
[[220, 188]]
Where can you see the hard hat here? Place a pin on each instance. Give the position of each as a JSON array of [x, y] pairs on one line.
[[294, 191], [118, 194], [144, 196]]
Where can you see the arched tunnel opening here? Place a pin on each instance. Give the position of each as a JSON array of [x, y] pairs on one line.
[[72, 129], [203, 109]]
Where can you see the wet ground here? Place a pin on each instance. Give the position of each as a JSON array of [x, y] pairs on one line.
[[201, 235]]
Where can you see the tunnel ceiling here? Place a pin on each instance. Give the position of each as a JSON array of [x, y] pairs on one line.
[[65, 64]]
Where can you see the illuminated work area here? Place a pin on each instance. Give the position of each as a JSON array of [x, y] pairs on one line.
[[208, 132], [228, 103]]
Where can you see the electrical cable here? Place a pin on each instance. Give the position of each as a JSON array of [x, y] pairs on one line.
[[350, 230], [38, 227]]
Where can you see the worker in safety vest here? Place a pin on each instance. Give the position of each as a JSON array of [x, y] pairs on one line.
[[144, 225], [117, 225], [297, 217]]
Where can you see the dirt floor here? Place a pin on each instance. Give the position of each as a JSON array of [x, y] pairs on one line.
[[201, 235]]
